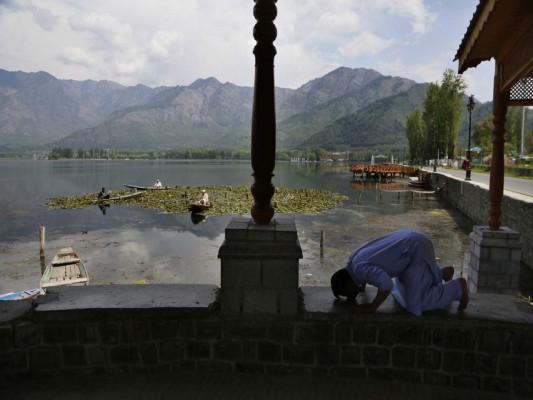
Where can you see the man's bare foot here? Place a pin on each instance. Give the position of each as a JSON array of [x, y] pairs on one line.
[[463, 303], [447, 273]]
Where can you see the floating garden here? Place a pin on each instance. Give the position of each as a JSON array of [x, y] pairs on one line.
[[225, 199]]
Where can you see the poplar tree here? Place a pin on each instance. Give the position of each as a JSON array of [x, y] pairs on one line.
[[441, 118]]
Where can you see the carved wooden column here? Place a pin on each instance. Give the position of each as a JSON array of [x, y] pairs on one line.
[[499, 111], [264, 114]]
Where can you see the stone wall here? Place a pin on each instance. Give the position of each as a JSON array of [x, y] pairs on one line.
[[473, 200], [463, 353]]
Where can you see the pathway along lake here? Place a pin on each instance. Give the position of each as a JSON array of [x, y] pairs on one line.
[[129, 244]]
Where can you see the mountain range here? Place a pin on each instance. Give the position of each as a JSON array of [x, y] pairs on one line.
[[344, 109]]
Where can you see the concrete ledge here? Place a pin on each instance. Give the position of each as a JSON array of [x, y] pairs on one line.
[[487, 307], [82, 302], [201, 299]]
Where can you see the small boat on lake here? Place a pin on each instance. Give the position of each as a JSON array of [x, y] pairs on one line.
[[66, 269], [146, 187], [122, 197], [196, 208], [417, 183], [22, 295]]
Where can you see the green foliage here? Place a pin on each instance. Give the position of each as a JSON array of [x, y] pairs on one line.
[[440, 119], [416, 131], [482, 133], [225, 200]]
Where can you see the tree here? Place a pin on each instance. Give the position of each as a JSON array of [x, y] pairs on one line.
[[416, 135], [442, 114], [482, 133]]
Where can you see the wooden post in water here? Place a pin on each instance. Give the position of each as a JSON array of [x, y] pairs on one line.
[[321, 243], [41, 249]]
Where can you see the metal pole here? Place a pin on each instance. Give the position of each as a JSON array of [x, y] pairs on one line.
[[470, 107]]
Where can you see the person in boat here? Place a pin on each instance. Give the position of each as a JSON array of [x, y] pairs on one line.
[[407, 255], [158, 184], [103, 194], [204, 199]]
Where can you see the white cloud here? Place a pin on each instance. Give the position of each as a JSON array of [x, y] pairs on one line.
[[421, 19], [105, 31], [77, 56], [162, 44], [174, 43], [365, 43]]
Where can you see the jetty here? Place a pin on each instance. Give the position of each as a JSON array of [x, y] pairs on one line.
[[382, 171]]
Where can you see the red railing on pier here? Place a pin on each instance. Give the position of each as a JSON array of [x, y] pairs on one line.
[[383, 169]]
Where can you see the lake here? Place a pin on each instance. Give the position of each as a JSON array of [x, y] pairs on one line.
[[129, 244]]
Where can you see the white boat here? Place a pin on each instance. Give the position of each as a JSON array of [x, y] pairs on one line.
[[24, 294], [66, 269]]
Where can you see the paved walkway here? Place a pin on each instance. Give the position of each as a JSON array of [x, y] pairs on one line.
[[209, 386], [511, 185]]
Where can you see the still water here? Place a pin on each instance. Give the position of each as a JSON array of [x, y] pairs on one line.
[[128, 244]]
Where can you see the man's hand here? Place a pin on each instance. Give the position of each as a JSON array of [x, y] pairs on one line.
[[381, 295]]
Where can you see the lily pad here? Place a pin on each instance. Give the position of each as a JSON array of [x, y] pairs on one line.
[[225, 200]]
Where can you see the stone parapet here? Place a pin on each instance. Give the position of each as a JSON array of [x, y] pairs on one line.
[[466, 351]]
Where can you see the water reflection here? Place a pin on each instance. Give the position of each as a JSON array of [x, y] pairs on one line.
[[196, 218]]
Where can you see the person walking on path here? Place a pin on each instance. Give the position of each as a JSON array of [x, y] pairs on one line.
[[408, 256]]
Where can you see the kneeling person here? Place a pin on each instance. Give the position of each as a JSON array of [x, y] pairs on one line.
[[408, 256]]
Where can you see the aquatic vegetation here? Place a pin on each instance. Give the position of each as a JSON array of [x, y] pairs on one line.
[[225, 200]]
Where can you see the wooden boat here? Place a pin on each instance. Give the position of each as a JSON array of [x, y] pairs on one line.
[[24, 294], [198, 208], [66, 269], [146, 187], [123, 197], [417, 183]]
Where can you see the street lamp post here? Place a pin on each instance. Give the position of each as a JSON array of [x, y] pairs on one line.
[[470, 107]]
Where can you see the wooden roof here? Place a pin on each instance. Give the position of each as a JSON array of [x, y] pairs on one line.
[[503, 30]]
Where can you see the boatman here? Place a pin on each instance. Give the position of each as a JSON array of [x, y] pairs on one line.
[[407, 255], [204, 200], [157, 184]]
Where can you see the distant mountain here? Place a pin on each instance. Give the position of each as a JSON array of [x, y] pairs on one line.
[[381, 124], [37, 108], [346, 108]]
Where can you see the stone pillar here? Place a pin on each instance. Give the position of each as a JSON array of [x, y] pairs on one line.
[[495, 258], [260, 267]]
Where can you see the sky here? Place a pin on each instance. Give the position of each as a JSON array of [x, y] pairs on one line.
[[170, 43]]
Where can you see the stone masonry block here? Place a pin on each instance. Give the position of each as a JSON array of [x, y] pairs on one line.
[[231, 301], [516, 255], [472, 286], [27, 334], [236, 273], [259, 300], [288, 301], [6, 337], [261, 232], [280, 274], [286, 230], [237, 229], [500, 254], [233, 249]]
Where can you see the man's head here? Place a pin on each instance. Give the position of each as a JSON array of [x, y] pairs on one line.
[[203, 190], [342, 284]]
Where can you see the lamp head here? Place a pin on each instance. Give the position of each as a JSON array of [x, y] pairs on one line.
[[471, 104]]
